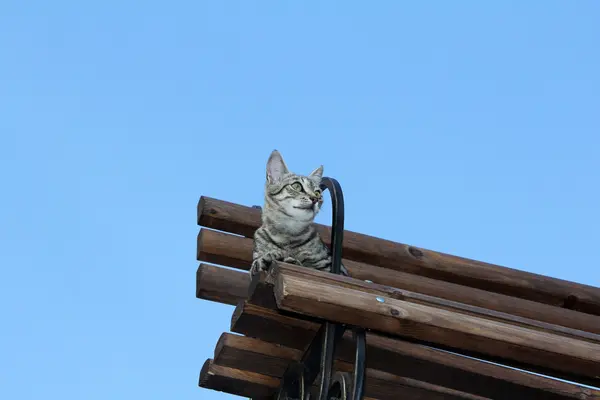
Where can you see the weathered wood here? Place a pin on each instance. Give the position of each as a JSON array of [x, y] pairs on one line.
[[221, 285], [272, 326], [418, 298], [243, 220], [218, 246], [252, 354], [390, 387], [212, 249], [572, 359], [237, 382], [412, 360], [244, 353]]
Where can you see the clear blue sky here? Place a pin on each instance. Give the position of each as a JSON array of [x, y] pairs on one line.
[[465, 127]]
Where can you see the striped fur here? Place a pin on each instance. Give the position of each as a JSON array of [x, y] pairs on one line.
[[287, 232]]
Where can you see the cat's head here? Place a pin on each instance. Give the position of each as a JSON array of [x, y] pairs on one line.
[[297, 196]]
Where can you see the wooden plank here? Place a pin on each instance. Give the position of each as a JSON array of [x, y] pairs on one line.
[[237, 382], [212, 249], [419, 362], [418, 298], [238, 219], [221, 285], [568, 358], [245, 383], [217, 245], [272, 326], [248, 354], [252, 354]]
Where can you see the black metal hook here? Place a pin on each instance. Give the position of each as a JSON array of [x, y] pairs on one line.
[[337, 238], [337, 221], [318, 358]]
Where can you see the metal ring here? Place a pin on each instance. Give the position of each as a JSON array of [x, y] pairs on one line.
[[340, 386], [293, 381]]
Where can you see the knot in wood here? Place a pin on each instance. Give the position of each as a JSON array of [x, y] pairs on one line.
[[415, 252], [398, 293], [394, 312], [570, 302]]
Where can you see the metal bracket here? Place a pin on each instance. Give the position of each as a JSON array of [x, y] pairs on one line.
[[318, 358]]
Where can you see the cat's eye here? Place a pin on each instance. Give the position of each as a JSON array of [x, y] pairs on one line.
[[297, 186], [318, 193]]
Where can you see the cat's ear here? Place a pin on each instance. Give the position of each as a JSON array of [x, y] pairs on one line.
[[317, 173], [276, 167]]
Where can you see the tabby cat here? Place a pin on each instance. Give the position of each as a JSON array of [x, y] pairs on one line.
[[287, 232]]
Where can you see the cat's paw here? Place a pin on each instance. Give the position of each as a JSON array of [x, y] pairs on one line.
[[263, 262], [258, 265], [292, 260]]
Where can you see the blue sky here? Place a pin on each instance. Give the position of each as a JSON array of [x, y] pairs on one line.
[[465, 127]]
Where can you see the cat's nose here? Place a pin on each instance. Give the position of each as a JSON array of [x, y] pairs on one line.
[[314, 199]]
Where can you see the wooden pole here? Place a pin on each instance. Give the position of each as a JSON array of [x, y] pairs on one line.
[[221, 285], [417, 298], [572, 359], [237, 382], [412, 360], [238, 219], [230, 287], [236, 251], [244, 353], [241, 383]]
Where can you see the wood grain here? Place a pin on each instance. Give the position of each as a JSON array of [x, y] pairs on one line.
[[211, 248], [221, 285], [238, 219], [236, 381], [225, 247], [255, 355], [248, 354], [242, 383], [412, 360], [418, 298], [572, 359]]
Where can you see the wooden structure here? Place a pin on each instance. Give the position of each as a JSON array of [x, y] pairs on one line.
[[431, 319]]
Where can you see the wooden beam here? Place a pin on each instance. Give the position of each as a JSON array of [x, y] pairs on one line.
[[272, 326], [252, 354], [248, 354], [224, 247], [221, 285], [211, 248], [242, 383], [238, 219], [572, 359], [416, 298], [237, 382], [418, 361]]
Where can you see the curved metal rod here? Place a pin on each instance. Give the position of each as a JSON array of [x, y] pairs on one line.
[[337, 237], [327, 352], [360, 364], [320, 353], [337, 221], [339, 388]]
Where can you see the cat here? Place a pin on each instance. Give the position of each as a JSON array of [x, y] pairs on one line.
[[287, 232]]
